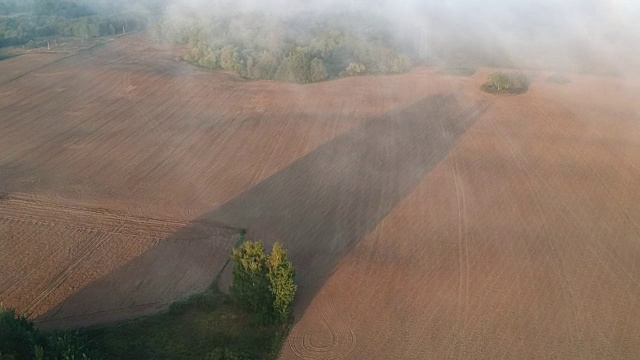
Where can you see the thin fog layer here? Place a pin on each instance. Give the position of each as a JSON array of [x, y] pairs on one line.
[[569, 35]]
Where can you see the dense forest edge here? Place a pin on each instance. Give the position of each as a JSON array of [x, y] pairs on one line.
[[308, 48], [305, 48], [251, 322]]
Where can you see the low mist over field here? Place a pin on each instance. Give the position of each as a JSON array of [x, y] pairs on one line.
[[580, 36], [451, 179], [575, 35]]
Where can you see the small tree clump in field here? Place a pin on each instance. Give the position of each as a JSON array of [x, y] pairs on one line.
[[263, 284], [250, 286], [503, 83]]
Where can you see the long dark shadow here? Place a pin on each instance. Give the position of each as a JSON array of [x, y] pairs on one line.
[[319, 207], [185, 263], [323, 204]]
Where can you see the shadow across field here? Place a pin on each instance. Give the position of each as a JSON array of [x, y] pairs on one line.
[[185, 263], [320, 206]]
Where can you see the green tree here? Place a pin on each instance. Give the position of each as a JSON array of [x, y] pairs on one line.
[[66, 345], [317, 70], [18, 336], [499, 80], [263, 284], [401, 64], [282, 285], [295, 67], [44, 7], [356, 68], [503, 82], [210, 59], [265, 67], [250, 288], [230, 60], [19, 339]]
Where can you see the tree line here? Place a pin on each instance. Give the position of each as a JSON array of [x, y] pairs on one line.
[[308, 48], [30, 21]]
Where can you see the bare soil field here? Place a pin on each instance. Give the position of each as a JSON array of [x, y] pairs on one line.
[[73, 266], [426, 219], [17, 66]]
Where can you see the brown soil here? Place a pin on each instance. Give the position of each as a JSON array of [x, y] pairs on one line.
[[17, 66], [73, 266], [426, 219]]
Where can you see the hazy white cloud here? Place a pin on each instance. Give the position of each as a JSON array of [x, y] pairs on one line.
[[563, 34]]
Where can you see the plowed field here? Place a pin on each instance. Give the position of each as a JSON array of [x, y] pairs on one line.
[[426, 219]]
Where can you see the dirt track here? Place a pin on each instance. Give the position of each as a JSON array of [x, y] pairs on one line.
[[427, 219]]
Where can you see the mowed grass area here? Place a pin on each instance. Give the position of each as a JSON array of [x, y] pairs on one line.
[[205, 326]]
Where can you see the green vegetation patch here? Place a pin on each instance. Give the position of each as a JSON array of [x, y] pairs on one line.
[[263, 283], [205, 326], [506, 83], [19, 339], [29, 23], [305, 49], [251, 324]]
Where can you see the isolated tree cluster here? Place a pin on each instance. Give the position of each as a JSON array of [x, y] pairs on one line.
[[263, 283], [306, 49], [511, 83]]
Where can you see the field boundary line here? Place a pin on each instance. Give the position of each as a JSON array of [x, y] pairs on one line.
[[239, 241], [58, 60]]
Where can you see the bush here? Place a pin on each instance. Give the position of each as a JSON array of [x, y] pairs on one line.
[[250, 288], [66, 345], [224, 354], [356, 68], [19, 339], [318, 71], [230, 60], [263, 284], [281, 283], [499, 82], [265, 67], [295, 67], [401, 64]]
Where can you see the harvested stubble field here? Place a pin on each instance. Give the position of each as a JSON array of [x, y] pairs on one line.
[[426, 219]]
